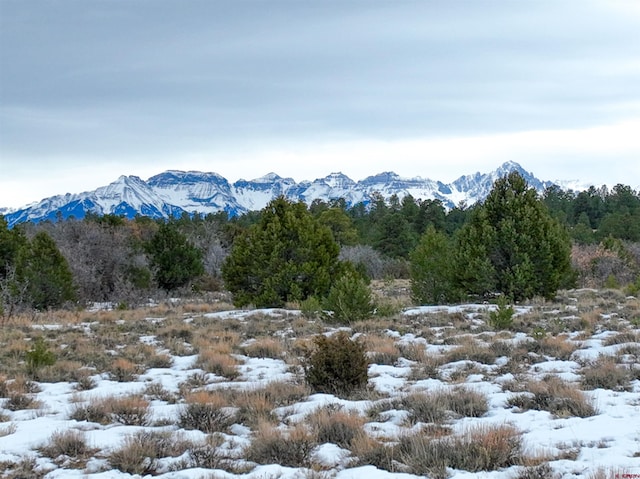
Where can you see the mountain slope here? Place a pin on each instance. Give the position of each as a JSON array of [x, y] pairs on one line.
[[174, 192]]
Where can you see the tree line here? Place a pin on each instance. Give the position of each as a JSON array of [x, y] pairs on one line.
[[515, 243]]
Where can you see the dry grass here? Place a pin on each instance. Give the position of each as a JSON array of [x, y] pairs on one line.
[[68, 448], [558, 347], [443, 405], [264, 347], [130, 410], [556, 396], [290, 448], [606, 374], [382, 349], [219, 363], [335, 426], [479, 448], [472, 351], [206, 411], [123, 370]]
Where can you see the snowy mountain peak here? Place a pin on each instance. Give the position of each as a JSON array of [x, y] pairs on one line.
[[175, 192]]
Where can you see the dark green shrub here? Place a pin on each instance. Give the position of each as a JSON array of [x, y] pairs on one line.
[[349, 299], [337, 365], [39, 356], [502, 317]]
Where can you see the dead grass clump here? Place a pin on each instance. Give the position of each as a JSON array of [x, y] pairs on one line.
[[438, 406], [156, 391], [61, 371], [335, 426], [556, 396], [264, 347], [208, 455], [140, 452], [558, 347], [472, 351], [206, 411], [370, 451], [622, 338], [254, 407], [541, 471], [128, 410], [25, 467], [218, 363], [123, 370], [290, 448], [480, 448], [18, 401], [66, 447], [9, 428], [604, 373], [382, 349]]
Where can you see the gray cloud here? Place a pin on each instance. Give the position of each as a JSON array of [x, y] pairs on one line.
[[103, 78]]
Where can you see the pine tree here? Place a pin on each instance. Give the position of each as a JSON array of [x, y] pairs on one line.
[[432, 269], [174, 261], [287, 256], [512, 245], [45, 273]]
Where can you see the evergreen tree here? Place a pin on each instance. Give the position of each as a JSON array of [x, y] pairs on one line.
[[45, 273], [287, 256], [173, 259], [432, 269], [512, 245]]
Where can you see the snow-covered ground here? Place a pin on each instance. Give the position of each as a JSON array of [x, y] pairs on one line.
[[575, 447]]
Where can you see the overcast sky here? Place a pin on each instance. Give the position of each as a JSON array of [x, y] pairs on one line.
[[94, 89]]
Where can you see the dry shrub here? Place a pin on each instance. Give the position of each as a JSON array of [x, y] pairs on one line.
[[61, 371], [218, 363], [255, 406], [18, 401], [208, 455], [472, 351], [370, 451], [438, 406], [556, 396], [123, 370], [382, 349], [606, 374], [331, 425], [558, 347], [205, 411], [286, 393], [480, 448], [140, 452], [9, 428], [541, 471], [265, 347], [130, 410], [69, 444], [146, 355], [291, 448], [24, 468], [622, 338], [611, 473], [158, 392]]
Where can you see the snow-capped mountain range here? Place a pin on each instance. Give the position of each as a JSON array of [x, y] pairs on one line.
[[176, 192]]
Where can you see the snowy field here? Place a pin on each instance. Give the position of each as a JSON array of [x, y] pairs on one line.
[[153, 364]]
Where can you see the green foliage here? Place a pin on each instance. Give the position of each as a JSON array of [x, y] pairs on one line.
[[349, 299], [287, 256], [502, 317], [337, 365], [512, 245], [432, 269], [45, 273], [38, 356], [311, 307], [174, 260]]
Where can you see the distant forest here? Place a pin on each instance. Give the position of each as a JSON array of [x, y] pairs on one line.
[[109, 258]]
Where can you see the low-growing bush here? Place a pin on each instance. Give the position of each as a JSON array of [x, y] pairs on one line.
[[483, 448], [332, 425], [337, 365], [349, 299], [606, 374], [556, 396], [206, 412], [290, 448], [70, 444]]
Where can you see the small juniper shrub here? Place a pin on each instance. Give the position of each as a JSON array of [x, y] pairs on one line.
[[349, 299], [556, 396], [502, 316], [311, 308], [38, 357], [336, 365]]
